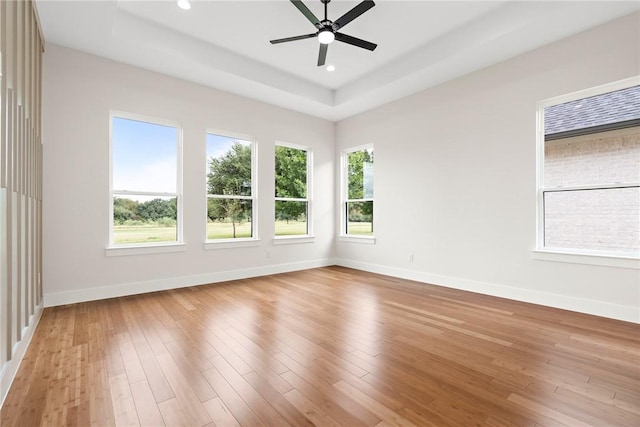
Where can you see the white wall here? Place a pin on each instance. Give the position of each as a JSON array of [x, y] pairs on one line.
[[79, 91], [455, 178]]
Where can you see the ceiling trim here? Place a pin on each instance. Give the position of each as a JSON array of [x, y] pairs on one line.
[[502, 33]]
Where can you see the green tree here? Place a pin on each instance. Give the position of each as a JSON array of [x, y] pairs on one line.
[[156, 209], [291, 182], [230, 175], [124, 209], [360, 178], [360, 185]]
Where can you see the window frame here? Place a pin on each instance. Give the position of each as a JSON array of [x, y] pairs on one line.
[[114, 249], [574, 255], [309, 236], [254, 240], [344, 197]]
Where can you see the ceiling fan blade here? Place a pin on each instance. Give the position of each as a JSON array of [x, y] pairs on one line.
[[292, 39], [355, 41], [322, 55], [358, 10], [306, 12]]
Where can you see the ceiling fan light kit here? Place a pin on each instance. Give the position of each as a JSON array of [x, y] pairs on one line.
[[326, 37], [328, 30], [184, 4]]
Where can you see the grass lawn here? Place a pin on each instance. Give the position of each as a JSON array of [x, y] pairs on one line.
[[292, 228], [224, 230], [152, 233], [363, 228], [147, 233]]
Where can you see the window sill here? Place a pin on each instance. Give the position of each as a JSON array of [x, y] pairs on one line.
[[290, 240], [590, 259], [145, 250], [230, 243], [367, 240]]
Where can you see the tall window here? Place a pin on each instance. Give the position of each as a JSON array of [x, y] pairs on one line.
[[145, 181], [230, 187], [292, 165], [589, 177], [357, 175]]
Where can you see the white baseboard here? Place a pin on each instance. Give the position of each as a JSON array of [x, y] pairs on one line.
[[124, 289], [10, 368], [581, 305]]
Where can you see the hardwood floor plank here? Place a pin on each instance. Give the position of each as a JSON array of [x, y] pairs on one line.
[[254, 400], [146, 406], [157, 382], [387, 415], [328, 404], [173, 414], [113, 356], [547, 411], [124, 408], [132, 367], [578, 404], [219, 413], [311, 411], [258, 352], [329, 347], [132, 317], [231, 399], [413, 408], [186, 396], [100, 403], [285, 409], [191, 369], [626, 402], [217, 339]]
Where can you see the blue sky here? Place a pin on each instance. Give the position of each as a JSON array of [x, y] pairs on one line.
[[145, 155], [217, 145]]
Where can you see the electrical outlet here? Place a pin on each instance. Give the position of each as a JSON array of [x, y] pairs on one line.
[[410, 257], [268, 254]]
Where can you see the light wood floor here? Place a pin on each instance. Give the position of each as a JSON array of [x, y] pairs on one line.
[[326, 347]]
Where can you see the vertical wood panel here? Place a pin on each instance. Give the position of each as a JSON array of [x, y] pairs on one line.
[[18, 230], [4, 320], [12, 39], [21, 48], [10, 35], [8, 215], [21, 98], [13, 266], [3, 98]]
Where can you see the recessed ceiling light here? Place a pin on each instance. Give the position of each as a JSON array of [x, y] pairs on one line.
[[184, 4], [331, 68]]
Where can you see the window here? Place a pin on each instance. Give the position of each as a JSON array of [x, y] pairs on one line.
[[589, 172], [230, 187], [357, 167], [146, 186], [292, 165]]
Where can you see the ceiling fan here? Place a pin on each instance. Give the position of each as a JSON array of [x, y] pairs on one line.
[[328, 30]]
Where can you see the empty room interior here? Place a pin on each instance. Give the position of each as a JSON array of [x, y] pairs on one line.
[[329, 213]]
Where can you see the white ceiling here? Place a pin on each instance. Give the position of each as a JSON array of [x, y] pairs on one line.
[[225, 44]]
